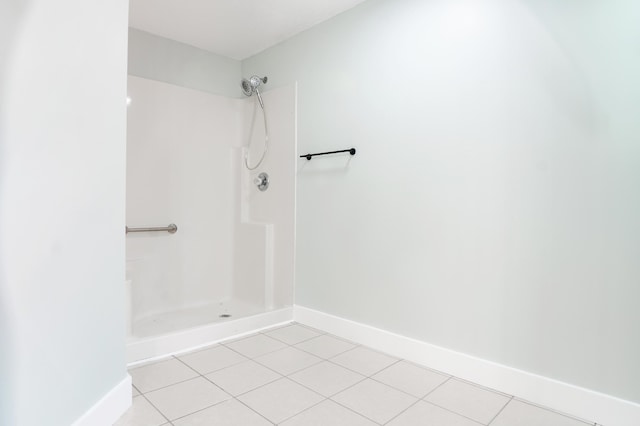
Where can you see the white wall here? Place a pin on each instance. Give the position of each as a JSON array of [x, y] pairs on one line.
[[492, 206], [62, 170], [161, 59]]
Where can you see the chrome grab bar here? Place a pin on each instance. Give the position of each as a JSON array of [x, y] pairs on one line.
[[172, 229]]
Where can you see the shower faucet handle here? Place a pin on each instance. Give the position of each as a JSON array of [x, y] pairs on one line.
[[261, 181]]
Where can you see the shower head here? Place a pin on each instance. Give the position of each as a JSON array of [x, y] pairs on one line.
[[257, 81], [251, 85], [246, 87]]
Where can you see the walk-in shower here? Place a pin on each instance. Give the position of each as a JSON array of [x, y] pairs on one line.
[[249, 87], [229, 266]]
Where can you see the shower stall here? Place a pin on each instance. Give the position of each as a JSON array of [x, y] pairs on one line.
[[228, 267]]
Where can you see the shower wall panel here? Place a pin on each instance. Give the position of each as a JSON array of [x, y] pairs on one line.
[[269, 216], [179, 170]]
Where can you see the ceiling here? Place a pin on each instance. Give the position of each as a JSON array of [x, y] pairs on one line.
[[233, 28]]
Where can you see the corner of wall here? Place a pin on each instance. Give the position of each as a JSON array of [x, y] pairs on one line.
[[110, 407]]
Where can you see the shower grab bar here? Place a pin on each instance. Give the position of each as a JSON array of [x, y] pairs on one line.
[[351, 151], [172, 229]]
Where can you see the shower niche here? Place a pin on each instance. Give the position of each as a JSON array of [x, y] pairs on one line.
[[229, 267]]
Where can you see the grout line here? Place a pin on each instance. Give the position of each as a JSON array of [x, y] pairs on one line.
[[332, 356], [482, 387], [157, 409], [282, 376], [306, 409], [453, 412], [188, 366], [324, 398], [193, 378], [255, 359], [266, 353], [388, 366], [417, 399], [401, 390], [304, 386], [401, 412], [135, 388], [179, 358], [446, 379], [250, 390], [306, 339], [499, 412], [335, 393], [260, 387], [354, 371], [205, 408], [395, 388], [257, 412], [296, 371], [437, 387], [424, 367], [167, 386], [354, 411], [269, 368]]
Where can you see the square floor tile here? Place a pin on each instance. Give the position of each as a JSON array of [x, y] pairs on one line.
[[328, 413], [325, 346], [288, 360], [255, 346], [134, 391], [426, 414], [363, 360], [327, 378], [160, 374], [212, 359], [374, 400], [468, 400], [186, 397], [292, 334], [280, 400], [518, 413], [410, 378], [243, 377], [141, 413], [228, 413]]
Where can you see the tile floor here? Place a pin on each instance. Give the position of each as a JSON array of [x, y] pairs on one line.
[[298, 376]]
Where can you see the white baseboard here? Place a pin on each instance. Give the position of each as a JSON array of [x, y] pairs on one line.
[[563, 397], [109, 409]]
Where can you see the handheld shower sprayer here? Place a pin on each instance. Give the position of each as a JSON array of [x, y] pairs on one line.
[[249, 87]]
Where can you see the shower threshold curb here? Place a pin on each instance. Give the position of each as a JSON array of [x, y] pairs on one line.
[[155, 348]]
